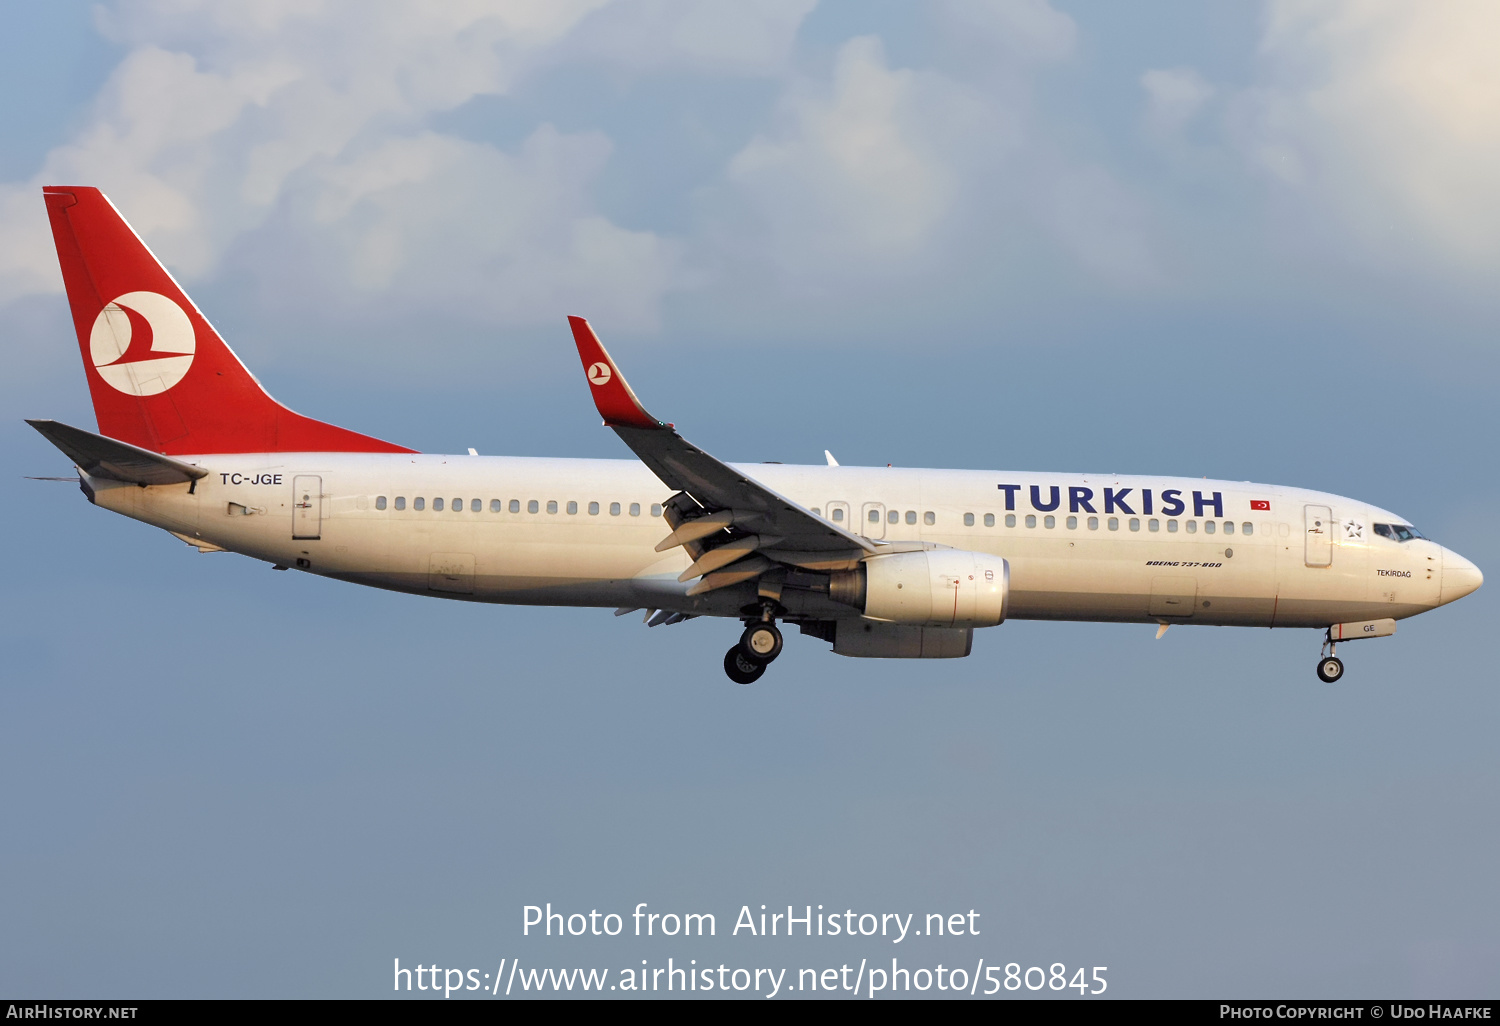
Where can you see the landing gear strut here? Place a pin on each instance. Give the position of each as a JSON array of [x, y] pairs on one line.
[[1330, 666], [757, 647]]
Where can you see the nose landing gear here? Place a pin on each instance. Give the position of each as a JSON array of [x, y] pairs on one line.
[[757, 647], [1330, 666], [1330, 669]]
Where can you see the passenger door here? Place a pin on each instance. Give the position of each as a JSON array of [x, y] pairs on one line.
[[1318, 547], [307, 507]]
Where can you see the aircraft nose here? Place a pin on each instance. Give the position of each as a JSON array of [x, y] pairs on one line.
[[1459, 577]]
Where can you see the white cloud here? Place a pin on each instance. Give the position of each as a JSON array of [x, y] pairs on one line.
[[857, 167], [503, 238], [1028, 32], [224, 113], [1104, 228], [1379, 116], [301, 135], [1175, 96], [718, 37], [883, 171]]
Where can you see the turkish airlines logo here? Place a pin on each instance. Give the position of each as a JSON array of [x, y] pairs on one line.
[[142, 343], [599, 374]]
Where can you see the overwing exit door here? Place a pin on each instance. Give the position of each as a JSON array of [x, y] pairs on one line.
[[1319, 527], [307, 506]]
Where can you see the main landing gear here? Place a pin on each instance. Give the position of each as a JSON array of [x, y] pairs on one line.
[[1330, 666], [757, 647]]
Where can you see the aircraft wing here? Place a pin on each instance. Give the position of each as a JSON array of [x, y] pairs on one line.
[[752, 525]]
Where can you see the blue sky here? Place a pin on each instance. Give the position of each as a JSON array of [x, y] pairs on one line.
[[1249, 241]]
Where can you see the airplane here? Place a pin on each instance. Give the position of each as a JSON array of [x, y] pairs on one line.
[[881, 562]]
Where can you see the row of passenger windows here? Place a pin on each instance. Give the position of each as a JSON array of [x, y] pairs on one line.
[[1113, 523], [929, 518], [514, 506]]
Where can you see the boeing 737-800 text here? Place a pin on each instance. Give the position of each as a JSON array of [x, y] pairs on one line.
[[881, 562]]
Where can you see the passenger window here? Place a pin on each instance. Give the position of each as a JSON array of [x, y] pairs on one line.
[[1171, 527], [1247, 528], [572, 508], [551, 505], [656, 509], [874, 516], [419, 503], [437, 505], [1229, 527], [1072, 523], [1135, 525], [380, 502], [1010, 519], [1093, 523], [911, 516], [1030, 519], [1153, 525], [635, 509], [593, 509], [515, 505], [817, 511], [893, 517], [1049, 521], [1192, 526], [838, 515], [458, 505], [495, 506], [929, 518], [400, 502], [968, 520], [1114, 523], [476, 506], [989, 520], [1208, 527], [614, 509]]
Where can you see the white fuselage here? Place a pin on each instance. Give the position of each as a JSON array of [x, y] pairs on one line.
[[583, 532]]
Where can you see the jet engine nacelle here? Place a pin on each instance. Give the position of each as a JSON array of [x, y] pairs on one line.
[[937, 588]]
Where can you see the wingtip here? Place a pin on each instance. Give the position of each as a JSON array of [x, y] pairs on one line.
[[613, 397]]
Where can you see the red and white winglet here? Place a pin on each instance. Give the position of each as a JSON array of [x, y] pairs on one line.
[[614, 398]]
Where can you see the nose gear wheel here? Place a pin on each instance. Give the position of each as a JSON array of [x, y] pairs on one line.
[[1330, 669]]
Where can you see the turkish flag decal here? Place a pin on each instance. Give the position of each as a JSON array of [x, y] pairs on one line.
[[1264, 504]]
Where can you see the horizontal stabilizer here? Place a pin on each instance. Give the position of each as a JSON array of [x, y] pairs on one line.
[[98, 456]]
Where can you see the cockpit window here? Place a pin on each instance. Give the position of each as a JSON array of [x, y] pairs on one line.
[[1398, 532]]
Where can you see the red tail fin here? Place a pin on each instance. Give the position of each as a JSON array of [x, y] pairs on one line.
[[160, 376]]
